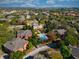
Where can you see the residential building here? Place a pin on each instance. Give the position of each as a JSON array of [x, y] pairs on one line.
[[4, 20], [61, 31], [16, 27], [16, 44], [37, 26], [25, 34]]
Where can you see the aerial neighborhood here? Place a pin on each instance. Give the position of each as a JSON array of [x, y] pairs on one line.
[[25, 31]]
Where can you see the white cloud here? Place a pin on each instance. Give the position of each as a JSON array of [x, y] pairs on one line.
[[28, 5], [36, 3], [24, 3], [68, 0], [16, 0], [61, 0], [50, 1]]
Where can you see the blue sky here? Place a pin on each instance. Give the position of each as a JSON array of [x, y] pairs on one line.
[[39, 3]]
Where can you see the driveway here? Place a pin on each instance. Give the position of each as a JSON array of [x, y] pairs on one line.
[[4, 56], [37, 50]]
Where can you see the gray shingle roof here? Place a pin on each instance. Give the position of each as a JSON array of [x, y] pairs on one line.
[[24, 32], [61, 31]]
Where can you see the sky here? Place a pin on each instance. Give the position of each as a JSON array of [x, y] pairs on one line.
[[39, 3]]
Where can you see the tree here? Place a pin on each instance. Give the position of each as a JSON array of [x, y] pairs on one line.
[[34, 40], [14, 21], [30, 45], [52, 36], [50, 25], [65, 51], [17, 55], [27, 27], [5, 33], [71, 37]]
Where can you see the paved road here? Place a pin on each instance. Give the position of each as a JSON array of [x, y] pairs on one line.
[[43, 48], [75, 52]]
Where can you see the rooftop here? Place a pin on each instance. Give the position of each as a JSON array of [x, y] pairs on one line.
[[15, 44]]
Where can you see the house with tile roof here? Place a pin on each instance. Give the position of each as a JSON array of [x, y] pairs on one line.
[[16, 44], [25, 34]]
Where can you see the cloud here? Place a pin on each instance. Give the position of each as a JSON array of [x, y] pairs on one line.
[[65, 0], [39, 3], [16, 1], [50, 1], [19, 3], [61, 0], [28, 5]]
